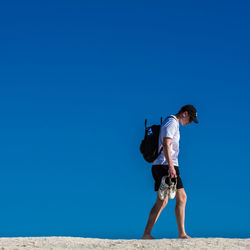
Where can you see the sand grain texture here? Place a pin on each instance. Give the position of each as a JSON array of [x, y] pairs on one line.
[[60, 243]]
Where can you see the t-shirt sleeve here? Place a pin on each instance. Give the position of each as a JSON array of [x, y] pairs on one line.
[[169, 129]]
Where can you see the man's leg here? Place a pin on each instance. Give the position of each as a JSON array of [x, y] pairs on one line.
[[181, 199], [153, 216]]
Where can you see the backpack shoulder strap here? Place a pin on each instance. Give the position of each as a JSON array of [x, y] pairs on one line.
[[171, 116]]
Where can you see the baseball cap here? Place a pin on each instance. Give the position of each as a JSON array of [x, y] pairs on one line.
[[191, 111]]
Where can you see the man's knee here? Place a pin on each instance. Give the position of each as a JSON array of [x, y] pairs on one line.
[[181, 199]]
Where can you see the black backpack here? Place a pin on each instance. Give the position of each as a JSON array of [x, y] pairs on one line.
[[149, 145]]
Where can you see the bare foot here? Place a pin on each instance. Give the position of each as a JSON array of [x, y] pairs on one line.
[[147, 237], [184, 236]]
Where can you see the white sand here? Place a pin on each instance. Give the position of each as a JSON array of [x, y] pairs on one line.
[[90, 243]]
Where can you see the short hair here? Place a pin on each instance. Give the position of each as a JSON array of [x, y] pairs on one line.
[[182, 110], [189, 108]]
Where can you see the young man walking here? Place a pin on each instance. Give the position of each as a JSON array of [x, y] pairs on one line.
[[166, 164]]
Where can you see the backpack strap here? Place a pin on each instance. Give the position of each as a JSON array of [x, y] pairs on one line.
[[171, 116], [161, 146], [160, 151]]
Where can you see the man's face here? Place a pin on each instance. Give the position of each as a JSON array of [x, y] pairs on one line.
[[190, 120], [186, 119]]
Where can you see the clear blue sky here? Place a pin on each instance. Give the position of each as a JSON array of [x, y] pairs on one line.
[[77, 80]]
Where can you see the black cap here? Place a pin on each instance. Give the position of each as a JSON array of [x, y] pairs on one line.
[[191, 111]]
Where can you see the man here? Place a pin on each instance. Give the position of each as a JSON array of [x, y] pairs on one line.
[[166, 164]]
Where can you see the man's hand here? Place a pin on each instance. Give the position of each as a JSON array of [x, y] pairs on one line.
[[172, 172]]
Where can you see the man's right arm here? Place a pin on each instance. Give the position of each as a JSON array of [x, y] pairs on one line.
[[167, 153]]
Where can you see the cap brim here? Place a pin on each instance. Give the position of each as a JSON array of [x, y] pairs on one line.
[[195, 120]]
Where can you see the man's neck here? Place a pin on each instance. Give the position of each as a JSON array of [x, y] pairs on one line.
[[178, 118]]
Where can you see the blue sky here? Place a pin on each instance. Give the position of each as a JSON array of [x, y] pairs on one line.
[[77, 80]]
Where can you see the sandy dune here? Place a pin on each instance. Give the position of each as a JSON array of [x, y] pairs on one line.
[[90, 243]]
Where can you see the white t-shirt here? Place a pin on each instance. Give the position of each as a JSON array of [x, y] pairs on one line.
[[169, 128]]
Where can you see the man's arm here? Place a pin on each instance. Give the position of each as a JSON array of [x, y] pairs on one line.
[[167, 152]]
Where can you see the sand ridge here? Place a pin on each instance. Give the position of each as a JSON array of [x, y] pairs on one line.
[[60, 243]]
